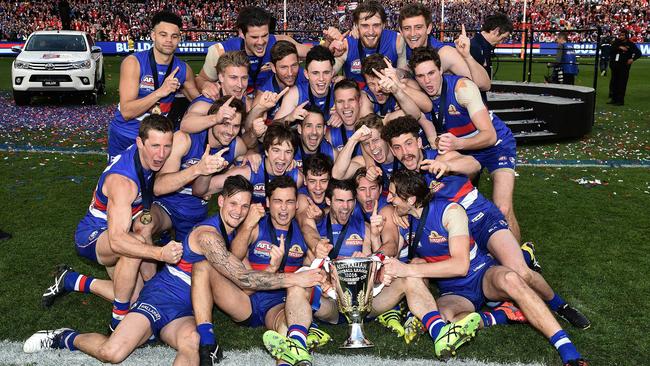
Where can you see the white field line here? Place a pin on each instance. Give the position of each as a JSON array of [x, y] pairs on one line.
[[11, 354]]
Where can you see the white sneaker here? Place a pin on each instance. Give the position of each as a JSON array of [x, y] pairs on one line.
[[42, 340]]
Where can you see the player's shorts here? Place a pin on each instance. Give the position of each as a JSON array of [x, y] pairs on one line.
[[484, 223], [470, 286], [162, 303], [261, 303], [503, 155], [181, 222], [117, 143], [86, 235]]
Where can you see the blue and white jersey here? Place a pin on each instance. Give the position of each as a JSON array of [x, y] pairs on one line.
[[325, 104], [259, 180], [457, 120], [130, 128], [387, 46], [433, 244], [124, 165], [354, 231], [339, 137], [259, 252], [183, 201]]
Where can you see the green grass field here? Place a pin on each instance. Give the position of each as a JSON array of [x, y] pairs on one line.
[[591, 241]]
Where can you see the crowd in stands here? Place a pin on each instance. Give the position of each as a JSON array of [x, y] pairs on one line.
[[119, 20]]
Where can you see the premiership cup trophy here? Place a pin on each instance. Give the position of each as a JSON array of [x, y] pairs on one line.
[[354, 279]]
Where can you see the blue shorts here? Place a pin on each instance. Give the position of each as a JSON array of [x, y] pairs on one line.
[[484, 223], [261, 303], [503, 155], [470, 286], [86, 235], [182, 224], [162, 303], [117, 143]]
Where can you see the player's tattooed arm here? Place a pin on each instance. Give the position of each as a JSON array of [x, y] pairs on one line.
[[214, 249], [227, 264]]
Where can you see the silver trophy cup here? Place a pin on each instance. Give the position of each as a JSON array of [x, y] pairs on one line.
[[353, 279]]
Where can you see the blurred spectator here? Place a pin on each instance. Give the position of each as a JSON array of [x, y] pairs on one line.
[[117, 19]]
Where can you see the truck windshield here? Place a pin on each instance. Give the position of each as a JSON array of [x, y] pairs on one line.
[[56, 42]]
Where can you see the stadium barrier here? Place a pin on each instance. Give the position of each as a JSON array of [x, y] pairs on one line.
[[201, 47]]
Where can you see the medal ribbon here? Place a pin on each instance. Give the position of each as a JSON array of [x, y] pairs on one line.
[[334, 253], [146, 189], [439, 121], [326, 106], [418, 233], [153, 66]]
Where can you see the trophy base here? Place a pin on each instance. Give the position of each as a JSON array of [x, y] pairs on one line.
[[356, 339], [356, 343]]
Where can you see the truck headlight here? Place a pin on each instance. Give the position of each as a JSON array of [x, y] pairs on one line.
[[81, 64], [21, 64]]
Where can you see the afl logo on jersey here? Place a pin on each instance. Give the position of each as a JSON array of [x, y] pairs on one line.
[[355, 68], [354, 240], [436, 238], [436, 186], [147, 82], [259, 190], [296, 251], [262, 249]]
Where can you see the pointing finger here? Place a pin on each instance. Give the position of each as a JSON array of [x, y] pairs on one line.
[[222, 151], [303, 104], [374, 209], [173, 74], [388, 63], [227, 103], [207, 150], [283, 92], [379, 75], [462, 30]]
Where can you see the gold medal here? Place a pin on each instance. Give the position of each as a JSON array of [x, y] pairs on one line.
[[145, 218], [156, 109]]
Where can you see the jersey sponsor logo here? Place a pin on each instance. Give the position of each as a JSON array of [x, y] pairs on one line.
[[355, 67], [354, 240], [453, 111], [149, 309], [436, 186], [263, 249], [436, 238], [296, 251]]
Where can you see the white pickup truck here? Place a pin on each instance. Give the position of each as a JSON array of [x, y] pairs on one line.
[[58, 62]]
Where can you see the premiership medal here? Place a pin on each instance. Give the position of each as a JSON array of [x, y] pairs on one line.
[[156, 109], [145, 218]]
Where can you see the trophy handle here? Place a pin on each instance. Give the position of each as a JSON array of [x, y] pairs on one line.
[[377, 258]]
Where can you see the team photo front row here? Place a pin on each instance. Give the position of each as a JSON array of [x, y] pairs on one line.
[[312, 177]]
